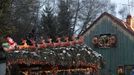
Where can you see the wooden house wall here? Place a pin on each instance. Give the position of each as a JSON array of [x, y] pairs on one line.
[[122, 54]]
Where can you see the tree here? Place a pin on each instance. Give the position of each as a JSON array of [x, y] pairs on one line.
[[4, 5], [48, 22], [24, 15], [57, 23], [126, 9], [91, 9], [64, 18], [123, 12], [74, 16], [5, 27]]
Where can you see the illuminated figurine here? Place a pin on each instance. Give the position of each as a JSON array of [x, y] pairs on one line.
[[9, 44], [73, 42], [66, 43], [42, 44], [50, 43], [80, 40], [56, 44], [24, 44]]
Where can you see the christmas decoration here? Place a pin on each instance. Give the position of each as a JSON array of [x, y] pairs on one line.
[[104, 41], [70, 58], [9, 44], [52, 57]]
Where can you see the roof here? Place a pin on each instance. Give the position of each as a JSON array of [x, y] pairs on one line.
[[115, 19], [71, 58], [57, 55]]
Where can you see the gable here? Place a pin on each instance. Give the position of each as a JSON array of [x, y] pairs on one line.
[[106, 23]]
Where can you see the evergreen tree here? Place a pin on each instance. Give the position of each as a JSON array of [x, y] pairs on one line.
[[48, 22], [64, 18], [4, 5], [57, 25], [24, 15], [5, 27], [73, 16]]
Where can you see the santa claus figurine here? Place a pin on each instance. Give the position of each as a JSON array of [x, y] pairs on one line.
[[9, 44]]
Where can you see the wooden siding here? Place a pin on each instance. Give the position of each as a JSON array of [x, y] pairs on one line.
[[123, 54]]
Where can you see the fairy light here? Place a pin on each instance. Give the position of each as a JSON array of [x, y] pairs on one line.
[[62, 52]]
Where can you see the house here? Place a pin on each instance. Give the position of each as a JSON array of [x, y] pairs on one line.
[[114, 39]]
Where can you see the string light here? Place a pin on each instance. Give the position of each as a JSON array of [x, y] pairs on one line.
[[68, 58]]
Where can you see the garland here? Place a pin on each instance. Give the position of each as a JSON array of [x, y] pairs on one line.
[[104, 41]]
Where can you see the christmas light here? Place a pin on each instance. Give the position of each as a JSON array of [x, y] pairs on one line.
[[67, 58]]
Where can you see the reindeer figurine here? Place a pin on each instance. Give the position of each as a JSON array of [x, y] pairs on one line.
[[25, 45], [50, 43], [80, 40], [66, 43], [73, 42], [56, 44], [33, 44], [42, 44]]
